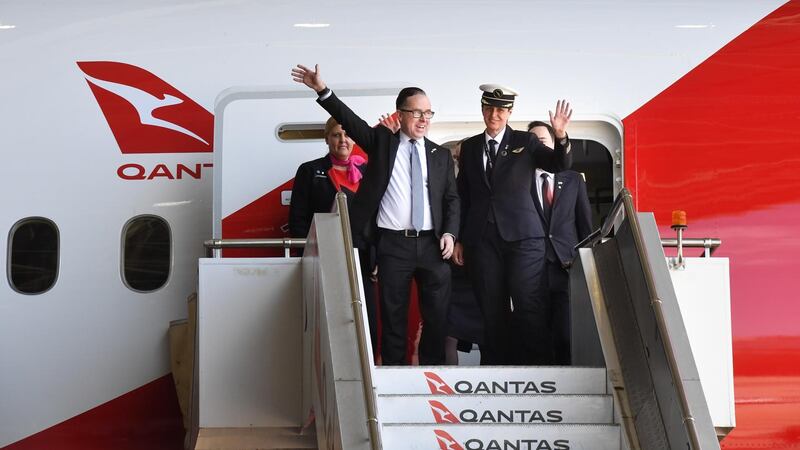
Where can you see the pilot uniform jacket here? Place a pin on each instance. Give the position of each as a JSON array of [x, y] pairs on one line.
[[507, 195], [570, 217], [312, 192], [381, 146]]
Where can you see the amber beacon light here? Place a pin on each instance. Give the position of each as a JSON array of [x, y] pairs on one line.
[[679, 224]]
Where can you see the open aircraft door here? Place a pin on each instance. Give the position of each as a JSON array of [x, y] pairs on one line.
[[261, 136]]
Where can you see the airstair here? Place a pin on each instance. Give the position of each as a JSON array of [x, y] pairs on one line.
[[282, 360]]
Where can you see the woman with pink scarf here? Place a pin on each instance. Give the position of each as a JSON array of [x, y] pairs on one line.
[[315, 186]]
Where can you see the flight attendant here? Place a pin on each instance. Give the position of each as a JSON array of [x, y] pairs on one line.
[[315, 186]]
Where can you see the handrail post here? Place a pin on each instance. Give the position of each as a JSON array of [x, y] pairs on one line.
[[364, 357]]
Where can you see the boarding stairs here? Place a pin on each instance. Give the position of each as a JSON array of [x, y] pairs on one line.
[[461, 407], [283, 360]]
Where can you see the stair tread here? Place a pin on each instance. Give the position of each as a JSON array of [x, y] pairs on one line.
[[261, 438], [499, 436], [513, 425], [492, 368], [499, 396]]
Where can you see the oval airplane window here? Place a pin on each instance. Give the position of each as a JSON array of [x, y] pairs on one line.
[[33, 255], [146, 253]]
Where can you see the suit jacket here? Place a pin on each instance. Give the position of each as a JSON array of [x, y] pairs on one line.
[[507, 194], [313, 192], [381, 146], [570, 217]]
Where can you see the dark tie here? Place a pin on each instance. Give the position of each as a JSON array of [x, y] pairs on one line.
[[417, 208], [547, 196], [492, 158]]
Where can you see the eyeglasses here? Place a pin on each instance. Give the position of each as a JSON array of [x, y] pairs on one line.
[[417, 114]]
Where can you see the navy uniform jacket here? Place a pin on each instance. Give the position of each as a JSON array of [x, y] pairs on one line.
[[381, 146], [508, 194], [312, 192], [571, 215]]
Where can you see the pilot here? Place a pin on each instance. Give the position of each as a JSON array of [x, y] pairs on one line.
[[502, 235]]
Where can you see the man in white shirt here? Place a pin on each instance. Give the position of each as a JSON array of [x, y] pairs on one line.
[[408, 204], [563, 205]]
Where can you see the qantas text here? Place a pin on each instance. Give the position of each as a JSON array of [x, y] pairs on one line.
[[505, 387], [133, 171], [519, 444], [511, 416]]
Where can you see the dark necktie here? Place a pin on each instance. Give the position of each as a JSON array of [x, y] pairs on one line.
[[417, 208], [547, 196], [492, 158]]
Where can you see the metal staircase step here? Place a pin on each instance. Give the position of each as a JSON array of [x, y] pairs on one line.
[[504, 437], [494, 380], [527, 409]]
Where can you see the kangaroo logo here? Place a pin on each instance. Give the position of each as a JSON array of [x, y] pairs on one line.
[[437, 385], [446, 442], [145, 113], [441, 413]]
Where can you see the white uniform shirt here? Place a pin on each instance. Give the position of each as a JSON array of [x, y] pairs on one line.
[[487, 138], [395, 209]]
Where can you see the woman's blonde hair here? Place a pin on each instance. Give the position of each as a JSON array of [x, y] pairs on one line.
[[329, 125]]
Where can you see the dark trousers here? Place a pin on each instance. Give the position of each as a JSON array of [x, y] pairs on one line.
[[502, 271], [557, 285], [399, 259]]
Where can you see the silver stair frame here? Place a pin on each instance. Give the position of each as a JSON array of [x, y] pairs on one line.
[[338, 373], [621, 287]]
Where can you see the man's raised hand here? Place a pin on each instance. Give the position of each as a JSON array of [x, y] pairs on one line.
[[560, 119], [310, 78]]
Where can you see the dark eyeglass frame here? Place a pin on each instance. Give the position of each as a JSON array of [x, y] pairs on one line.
[[419, 114]]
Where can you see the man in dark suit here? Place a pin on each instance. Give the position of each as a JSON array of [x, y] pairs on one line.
[[408, 203], [563, 205], [502, 234]]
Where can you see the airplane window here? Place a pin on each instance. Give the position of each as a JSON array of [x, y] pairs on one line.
[[33, 255], [301, 131], [146, 253]]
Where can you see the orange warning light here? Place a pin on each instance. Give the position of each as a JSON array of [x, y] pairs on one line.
[[678, 219]]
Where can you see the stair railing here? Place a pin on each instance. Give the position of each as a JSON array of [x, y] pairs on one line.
[[624, 205], [363, 354]]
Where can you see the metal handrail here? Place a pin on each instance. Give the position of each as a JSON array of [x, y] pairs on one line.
[[361, 337], [216, 245], [709, 244], [605, 229], [626, 200]]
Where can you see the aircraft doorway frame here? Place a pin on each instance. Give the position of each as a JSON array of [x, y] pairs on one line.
[[585, 131]]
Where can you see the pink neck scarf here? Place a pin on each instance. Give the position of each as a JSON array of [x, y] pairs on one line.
[[352, 163]]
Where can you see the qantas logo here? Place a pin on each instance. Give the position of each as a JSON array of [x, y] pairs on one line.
[[145, 113], [441, 413], [437, 385], [446, 442]]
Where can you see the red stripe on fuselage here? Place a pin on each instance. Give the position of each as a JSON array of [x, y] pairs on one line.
[[146, 418]]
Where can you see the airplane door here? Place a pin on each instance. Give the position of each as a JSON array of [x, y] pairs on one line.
[[261, 136]]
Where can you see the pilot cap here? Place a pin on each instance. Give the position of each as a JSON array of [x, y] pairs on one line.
[[497, 95]]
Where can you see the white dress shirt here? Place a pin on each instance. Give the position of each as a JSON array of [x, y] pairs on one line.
[[395, 209], [498, 139]]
